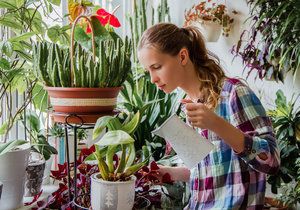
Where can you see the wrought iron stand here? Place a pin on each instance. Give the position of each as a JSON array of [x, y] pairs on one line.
[[75, 127]]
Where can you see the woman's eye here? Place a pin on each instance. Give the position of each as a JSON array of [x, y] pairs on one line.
[[156, 67]]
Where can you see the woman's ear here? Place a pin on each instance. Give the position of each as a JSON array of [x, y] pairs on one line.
[[183, 56]]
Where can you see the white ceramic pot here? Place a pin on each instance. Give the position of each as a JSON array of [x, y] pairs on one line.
[[210, 30], [48, 167], [106, 195], [12, 174]]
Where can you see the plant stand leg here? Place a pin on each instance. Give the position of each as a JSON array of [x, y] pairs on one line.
[[68, 161], [75, 162]]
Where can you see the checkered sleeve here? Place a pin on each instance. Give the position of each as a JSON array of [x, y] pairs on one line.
[[248, 114]]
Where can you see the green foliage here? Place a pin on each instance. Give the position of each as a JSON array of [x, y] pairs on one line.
[[39, 142], [23, 19], [117, 142], [286, 122], [52, 64], [276, 52]]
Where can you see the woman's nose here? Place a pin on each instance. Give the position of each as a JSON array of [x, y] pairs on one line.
[[154, 78]]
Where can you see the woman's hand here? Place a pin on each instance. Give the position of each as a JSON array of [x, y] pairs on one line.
[[199, 115], [176, 173]]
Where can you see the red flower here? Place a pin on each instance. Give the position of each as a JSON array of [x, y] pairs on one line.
[[105, 18]]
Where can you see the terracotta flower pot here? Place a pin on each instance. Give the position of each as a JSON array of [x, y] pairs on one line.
[[83, 100]]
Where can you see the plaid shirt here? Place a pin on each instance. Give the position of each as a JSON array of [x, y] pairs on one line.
[[225, 179]]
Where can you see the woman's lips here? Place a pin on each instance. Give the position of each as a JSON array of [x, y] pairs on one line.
[[161, 87]]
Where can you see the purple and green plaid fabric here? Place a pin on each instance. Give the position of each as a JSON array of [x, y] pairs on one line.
[[225, 179]]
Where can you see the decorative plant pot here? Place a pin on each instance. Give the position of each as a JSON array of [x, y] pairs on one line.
[[210, 30], [12, 174], [79, 118], [48, 166], [112, 195], [34, 175], [83, 100]]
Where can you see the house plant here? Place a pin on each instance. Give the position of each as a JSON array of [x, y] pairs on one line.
[[210, 19], [270, 48], [286, 122], [116, 158], [41, 151], [90, 84]]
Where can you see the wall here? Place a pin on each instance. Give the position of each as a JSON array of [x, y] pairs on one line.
[[266, 90]]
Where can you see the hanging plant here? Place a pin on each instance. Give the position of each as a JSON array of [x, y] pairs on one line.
[[276, 52], [206, 14]]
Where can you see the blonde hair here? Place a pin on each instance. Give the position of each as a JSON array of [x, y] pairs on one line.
[[170, 39]]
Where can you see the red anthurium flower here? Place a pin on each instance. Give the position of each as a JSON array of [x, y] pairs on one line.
[[105, 18]]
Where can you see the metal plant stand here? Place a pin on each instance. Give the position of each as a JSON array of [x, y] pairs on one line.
[[69, 125]]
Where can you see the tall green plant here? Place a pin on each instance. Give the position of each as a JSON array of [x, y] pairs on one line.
[[52, 64], [286, 122], [23, 20]]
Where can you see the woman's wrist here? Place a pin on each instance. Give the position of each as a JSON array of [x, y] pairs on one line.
[[180, 173]]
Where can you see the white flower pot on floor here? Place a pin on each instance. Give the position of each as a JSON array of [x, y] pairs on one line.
[[12, 174], [210, 30], [106, 195], [48, 168]]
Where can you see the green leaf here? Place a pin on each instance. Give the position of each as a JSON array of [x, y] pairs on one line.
[[34, 121], [115, 138], [101, 124], [54, 33], [9, 21], [40, 98], [18, 83], [7, 147], [100, 31], [22, 37], [55, 2], [114, 124], [20, 3], [8, 4], [280, 99], [4, 64], [3, 128], [131, 126], [7, 48]]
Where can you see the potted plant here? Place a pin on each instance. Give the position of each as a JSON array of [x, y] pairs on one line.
[[41, 151], [13, 163], [210, 20], [286, 122], [269, 48], [80, 82], [114, 186]]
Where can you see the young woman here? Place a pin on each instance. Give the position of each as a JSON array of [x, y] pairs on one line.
[[224, 110]]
